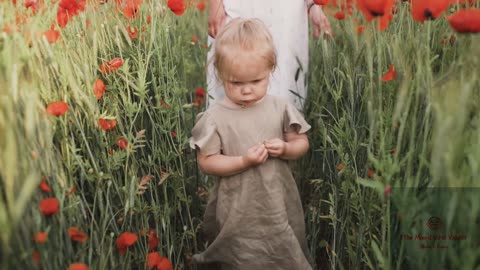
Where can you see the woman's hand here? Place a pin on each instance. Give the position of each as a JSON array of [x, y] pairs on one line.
[[275, 147], [216, 17], [256, 155], [320, 21]]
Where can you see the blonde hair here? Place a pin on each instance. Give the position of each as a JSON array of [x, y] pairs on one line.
[[242, 38]]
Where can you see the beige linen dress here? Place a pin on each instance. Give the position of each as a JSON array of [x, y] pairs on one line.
[[255, 217]]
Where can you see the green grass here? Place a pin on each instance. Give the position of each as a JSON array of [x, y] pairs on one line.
[[428, 115]]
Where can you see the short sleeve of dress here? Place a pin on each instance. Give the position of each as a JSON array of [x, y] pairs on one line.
[[205, 136], [293, 120]]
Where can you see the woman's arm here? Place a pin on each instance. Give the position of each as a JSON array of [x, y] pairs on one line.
[[216, 17], [319, 20]]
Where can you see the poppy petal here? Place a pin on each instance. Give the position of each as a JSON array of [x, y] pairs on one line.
[[176, 6], [49, 206], [465, 21], [78, 266], [57, 108], [390, 75], [77, 235]]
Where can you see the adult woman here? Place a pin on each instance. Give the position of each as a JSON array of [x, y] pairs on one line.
[[287, 20]]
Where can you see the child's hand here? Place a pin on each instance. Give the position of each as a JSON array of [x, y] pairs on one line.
[[256, 155], [275, 147]]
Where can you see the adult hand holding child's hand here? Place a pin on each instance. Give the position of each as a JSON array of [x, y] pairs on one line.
[[256, 155], [275, 147]]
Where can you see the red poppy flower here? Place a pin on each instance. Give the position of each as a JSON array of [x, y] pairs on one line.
[[388, 190], [57, 108], [339, 167], [52, 35], [465, 21], [200, 92], [131, 8], [149, 18], [125, 240], [111, 65], [99, 88], [130, 11], [40, 237], [107, 124], [340, 15], [73, 7], [462, 2], [360, 29], [320, 2], [152, 240], [174, 134], [78, 266], [67, 9], [154, 259], [176, 6], [62, 17], [201, 6], [49, 206], [31, 3], [194, 39], [36, 257], [390, 75], [77, 235], [44, 186], [370, 173], [132, 32], [428, 9], [122, 143], [377, 8]]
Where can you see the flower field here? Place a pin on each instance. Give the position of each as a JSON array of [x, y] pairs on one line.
[[97, 101]]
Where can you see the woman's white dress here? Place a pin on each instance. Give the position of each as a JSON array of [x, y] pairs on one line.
[[288, 22]]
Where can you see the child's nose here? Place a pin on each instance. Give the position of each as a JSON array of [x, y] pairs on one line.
[[247, 89]]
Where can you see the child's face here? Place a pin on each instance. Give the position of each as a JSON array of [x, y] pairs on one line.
[[248, 82]]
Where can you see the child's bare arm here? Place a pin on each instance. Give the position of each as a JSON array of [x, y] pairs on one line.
[[221, 165], [296, 146]]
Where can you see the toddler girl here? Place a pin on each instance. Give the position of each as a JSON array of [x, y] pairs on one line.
[[254, 214]]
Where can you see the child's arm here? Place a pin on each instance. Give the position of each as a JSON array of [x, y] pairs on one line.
[[221, 165], [294, 146]]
